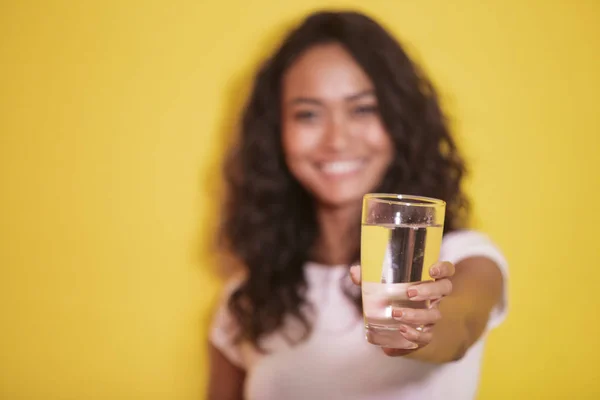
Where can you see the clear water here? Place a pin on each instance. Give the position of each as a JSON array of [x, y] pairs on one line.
[[392, 258]]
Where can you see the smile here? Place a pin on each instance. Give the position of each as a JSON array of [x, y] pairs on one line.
[[341, 167]]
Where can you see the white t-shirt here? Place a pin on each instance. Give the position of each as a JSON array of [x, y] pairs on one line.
[[336, 362]]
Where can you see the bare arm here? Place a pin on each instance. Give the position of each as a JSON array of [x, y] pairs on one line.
[[476, 289], [226, 381]]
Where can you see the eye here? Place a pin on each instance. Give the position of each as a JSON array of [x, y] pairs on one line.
[[365, 110], [305, 115]]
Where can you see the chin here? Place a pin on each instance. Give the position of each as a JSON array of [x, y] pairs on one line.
[[339, 200]]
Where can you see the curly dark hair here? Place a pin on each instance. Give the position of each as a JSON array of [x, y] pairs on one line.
[[269, 219]]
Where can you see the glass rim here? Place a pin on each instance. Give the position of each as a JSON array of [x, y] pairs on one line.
[[405, 199]]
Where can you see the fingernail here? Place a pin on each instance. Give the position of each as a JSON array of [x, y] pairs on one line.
[[435, 271], [412, 292], [397, 315], [412, 346], [402, 329]]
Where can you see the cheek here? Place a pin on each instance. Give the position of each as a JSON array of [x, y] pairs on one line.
[[298, 142], [380, 142]]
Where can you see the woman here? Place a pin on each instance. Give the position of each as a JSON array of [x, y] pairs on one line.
[[339, 111]]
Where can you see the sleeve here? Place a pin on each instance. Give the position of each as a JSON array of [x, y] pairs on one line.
[[224, 328], [459, 245]]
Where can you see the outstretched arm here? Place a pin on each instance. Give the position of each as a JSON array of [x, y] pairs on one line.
[[462, 298]]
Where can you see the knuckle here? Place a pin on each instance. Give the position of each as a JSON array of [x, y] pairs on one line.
[[420, 317], [448, 286], [414, 335], [426, 338], [409, 315], [425, 290], [421, 337]]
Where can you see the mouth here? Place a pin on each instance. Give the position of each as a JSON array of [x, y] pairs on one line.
[[341, 168]]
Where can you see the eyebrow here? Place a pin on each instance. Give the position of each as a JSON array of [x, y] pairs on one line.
[[309, 100], [368, 92]]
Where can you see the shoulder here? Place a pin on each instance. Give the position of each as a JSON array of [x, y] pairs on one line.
[[462, 244]]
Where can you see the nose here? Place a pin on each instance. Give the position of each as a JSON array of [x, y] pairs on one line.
[[336, 134]]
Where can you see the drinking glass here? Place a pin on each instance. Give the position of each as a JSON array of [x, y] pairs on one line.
[[401, 237]]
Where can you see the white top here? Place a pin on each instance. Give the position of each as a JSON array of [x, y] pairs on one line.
[[336, 362]]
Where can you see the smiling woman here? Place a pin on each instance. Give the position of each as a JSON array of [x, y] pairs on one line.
[[337, 112]]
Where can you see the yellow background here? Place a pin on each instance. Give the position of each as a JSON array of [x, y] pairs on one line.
[[113, 116]]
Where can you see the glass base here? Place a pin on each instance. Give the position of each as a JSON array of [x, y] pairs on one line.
[[387, 336]]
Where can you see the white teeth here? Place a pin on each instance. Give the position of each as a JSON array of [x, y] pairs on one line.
[[341, 167]]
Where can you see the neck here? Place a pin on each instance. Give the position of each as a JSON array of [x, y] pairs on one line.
[[339, 233]]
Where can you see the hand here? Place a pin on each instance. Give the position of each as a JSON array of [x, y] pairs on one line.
[[433, 291]]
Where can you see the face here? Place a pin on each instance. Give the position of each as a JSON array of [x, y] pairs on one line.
[[334, 141]]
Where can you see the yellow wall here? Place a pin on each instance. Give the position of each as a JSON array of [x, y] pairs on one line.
[[112, 115]]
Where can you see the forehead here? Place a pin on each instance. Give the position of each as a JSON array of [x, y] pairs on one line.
[[327, 72]]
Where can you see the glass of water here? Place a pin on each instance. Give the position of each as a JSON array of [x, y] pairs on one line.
[[401, 237]]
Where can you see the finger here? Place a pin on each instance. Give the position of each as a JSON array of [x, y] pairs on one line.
[[419, 337], [426, 316], [355, 274], [430, 290], [397, 352], [435, 303], [443, 269]]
